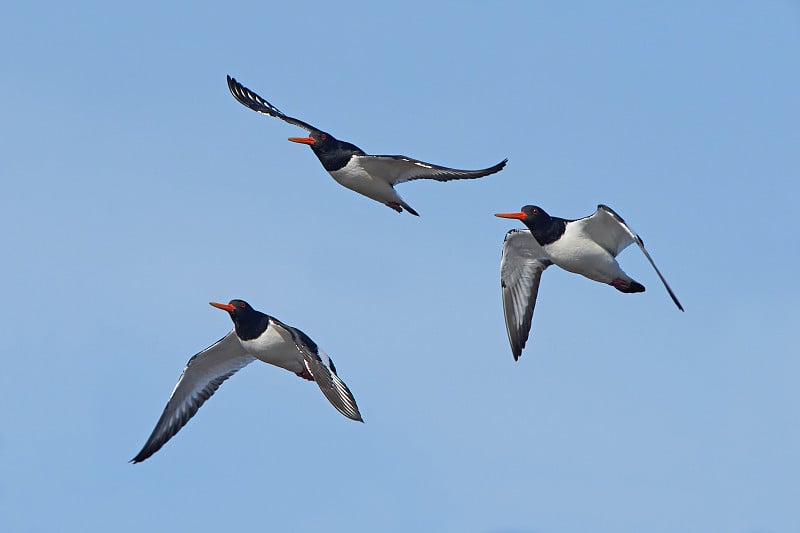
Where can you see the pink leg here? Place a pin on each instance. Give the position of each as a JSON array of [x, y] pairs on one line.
[[620, 284]]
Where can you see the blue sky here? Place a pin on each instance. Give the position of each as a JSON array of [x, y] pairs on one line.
[[135, 190]]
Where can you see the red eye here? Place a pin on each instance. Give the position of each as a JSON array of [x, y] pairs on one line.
[[323, 137]]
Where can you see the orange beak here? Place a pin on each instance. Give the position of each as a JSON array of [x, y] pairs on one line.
[[302, 140], [518, 216], [225, 307]]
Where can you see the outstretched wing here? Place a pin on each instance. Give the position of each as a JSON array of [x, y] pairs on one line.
[[607, 229], [399, 168], [201, 377], [324, 373], [521, 270], [248, 98], [611, 231]]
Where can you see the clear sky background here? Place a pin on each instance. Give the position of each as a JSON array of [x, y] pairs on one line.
[[135, 190]]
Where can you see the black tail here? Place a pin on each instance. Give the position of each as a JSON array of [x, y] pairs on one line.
[[410, 209], [399, 206], [627, 286], [634, 286]]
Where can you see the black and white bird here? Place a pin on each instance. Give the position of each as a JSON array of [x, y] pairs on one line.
[[255, 336], [587, 246], [374, 176]]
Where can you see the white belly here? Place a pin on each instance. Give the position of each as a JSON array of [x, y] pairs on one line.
[[357, 179], [276, 349], [577, 253]]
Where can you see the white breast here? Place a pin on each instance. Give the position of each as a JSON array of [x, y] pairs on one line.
[[577, 253], [275, 346], [357, 179]]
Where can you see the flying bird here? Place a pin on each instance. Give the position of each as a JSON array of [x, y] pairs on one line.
[[374, 176], [587, 246], [255, 336]]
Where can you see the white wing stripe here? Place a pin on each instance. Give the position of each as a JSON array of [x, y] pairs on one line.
[[202, 376], [521, 267], [398, 169]]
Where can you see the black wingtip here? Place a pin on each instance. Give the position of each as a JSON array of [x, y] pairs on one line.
[[243, 95], [144, 454], [516, 351], [498, 167], [138, 459]]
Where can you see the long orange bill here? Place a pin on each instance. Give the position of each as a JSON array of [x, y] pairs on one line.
[[518, 216], [302, 140], [225, 307]]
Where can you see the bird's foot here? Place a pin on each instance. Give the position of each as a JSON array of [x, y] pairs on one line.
[[394, 205], [305, 374], [619, 284]]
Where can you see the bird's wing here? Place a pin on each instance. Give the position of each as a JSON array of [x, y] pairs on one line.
[[248, 98], [607, 229], [324, 373], [203, 375], [399, 168], [520, 272], [611, 231]]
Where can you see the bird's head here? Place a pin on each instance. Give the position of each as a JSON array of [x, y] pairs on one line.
[[332, 153], [238, 309], [248, 322], [531, 215], [317, 140]]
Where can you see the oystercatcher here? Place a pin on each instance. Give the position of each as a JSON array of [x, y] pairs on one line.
[[374, 176], [255, 336], [587, 246]]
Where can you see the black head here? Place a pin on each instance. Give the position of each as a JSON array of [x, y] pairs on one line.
[[545, 229], [332, 153], [234, 307], [249, 323], [531, 215], [316, 140]]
